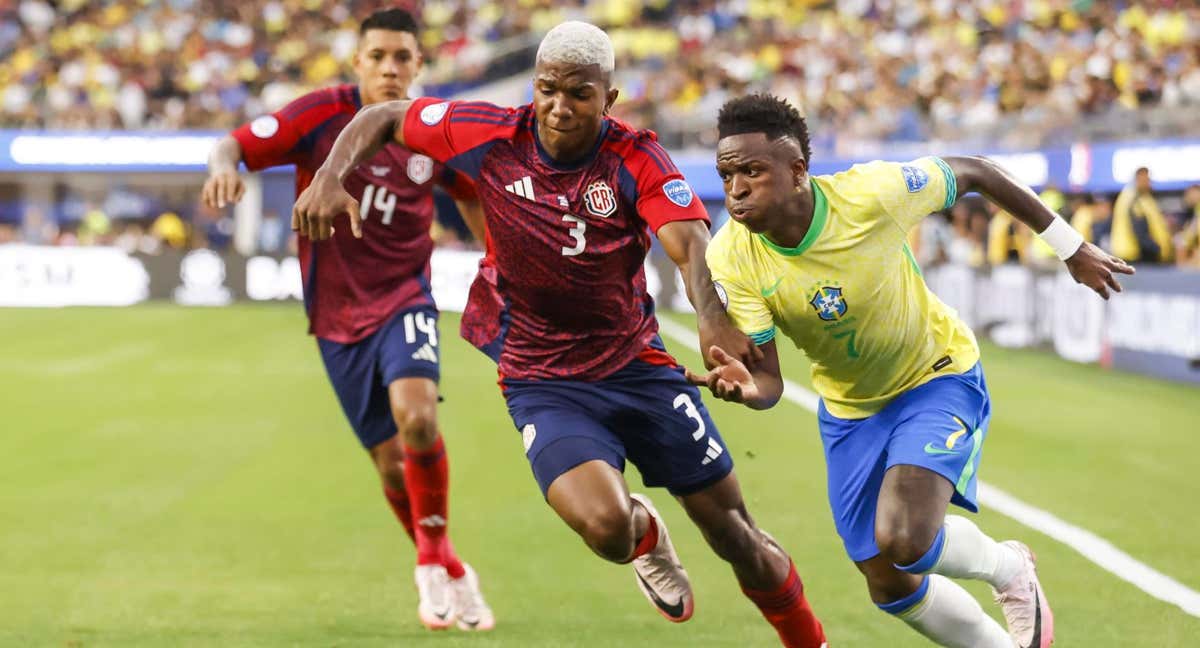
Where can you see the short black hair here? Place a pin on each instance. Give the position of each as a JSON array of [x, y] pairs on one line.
[[1141, 171], [766, 114], [391, 20]]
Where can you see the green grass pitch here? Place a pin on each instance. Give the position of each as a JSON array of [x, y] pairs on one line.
[[184, 477]]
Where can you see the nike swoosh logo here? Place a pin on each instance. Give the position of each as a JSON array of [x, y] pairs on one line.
[[767, 292], [934, 450], [673, 611], [442, 615], [1036, 641]]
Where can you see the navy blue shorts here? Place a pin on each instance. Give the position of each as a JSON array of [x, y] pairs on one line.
[[939, 426], [648, 413], [406, 346]]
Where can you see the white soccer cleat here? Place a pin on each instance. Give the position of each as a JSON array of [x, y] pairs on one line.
[[436, 597], [1030, 621], [473, 612], [661, 578]]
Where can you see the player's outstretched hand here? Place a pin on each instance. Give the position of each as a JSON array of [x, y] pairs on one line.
[[222, 188], [730, 380], [1096, 269], [324, 200]]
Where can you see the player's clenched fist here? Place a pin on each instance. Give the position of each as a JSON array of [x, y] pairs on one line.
[[324, 200], [1096, 269]]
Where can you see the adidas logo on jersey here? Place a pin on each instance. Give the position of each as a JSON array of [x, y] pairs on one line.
[[522, 187], [426, 352], [432, 521]]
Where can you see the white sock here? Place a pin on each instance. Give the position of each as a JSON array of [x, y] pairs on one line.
[[952, 617], [971, 553]]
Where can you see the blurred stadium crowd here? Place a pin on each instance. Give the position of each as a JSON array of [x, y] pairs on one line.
[[869, 74]]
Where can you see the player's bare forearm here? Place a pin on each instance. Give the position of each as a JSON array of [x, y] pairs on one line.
[[472, 215], [768, 378], [225, 156], [686, 242], [371, 129], [1087, 263], [980, 174]]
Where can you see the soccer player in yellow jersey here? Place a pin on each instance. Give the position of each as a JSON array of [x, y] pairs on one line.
[[904, 406]]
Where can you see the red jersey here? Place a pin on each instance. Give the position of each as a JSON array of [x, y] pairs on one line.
[[562, 291], [352, 286]]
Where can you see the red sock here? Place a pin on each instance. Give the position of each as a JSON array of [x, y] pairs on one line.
[[398, 500], [648, 542], [788, 610], [427, 480]]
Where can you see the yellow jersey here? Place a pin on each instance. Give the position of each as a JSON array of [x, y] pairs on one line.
[[851, 295]]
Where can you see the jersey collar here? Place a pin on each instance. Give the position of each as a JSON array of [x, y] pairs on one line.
[[578, 164], [820, 216]]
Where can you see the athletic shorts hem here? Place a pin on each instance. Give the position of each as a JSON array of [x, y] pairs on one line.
[[570, 452]]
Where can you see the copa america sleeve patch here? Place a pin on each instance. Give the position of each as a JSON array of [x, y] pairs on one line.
[[722, 296], [433, 113], [678, 192], [914, 177], [264, 126]]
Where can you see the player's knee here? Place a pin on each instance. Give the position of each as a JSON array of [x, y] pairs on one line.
[[610, 533], [890, 587], [417, 426], [902, 544]]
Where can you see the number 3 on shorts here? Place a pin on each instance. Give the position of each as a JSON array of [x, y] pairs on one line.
[[689, 408]]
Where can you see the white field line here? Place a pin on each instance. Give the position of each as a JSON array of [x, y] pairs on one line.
[[1091, 546]]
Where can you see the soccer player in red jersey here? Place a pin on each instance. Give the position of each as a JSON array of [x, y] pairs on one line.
[[561, 304], [368, 300]]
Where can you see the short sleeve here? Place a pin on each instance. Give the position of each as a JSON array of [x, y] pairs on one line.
[[745, 306], [281, 137], [456, 132], [910, 191], [663, 195]]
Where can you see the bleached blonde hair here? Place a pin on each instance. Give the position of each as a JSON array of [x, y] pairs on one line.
[[577, 43]]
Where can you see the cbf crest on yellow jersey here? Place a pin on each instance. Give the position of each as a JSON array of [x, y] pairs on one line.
[[850, 294]]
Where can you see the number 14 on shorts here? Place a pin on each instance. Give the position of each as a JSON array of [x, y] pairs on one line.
[[685, 403]]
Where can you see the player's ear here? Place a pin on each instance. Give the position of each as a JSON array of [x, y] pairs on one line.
[[610, 98], [799, 172]]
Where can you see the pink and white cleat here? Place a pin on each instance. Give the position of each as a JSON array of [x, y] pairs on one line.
[[435, 596], [1030, 621], [661, 578], [474, 615]]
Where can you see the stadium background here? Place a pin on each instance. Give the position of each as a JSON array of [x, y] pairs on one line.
[[182, 475]]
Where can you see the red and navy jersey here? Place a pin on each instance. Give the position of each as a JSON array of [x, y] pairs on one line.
[[352, 286], [562, 291]]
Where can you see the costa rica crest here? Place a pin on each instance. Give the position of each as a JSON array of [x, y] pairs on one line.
[[829, 303], [420, 168], [600, 199]]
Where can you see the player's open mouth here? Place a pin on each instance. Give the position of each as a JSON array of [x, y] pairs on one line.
[[739, 213]]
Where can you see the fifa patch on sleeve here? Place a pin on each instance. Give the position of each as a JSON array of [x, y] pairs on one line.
[[678, 192], [914, 177], [432, 114], [264, 126]]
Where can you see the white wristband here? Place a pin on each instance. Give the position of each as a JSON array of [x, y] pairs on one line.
[[1062, 237]]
